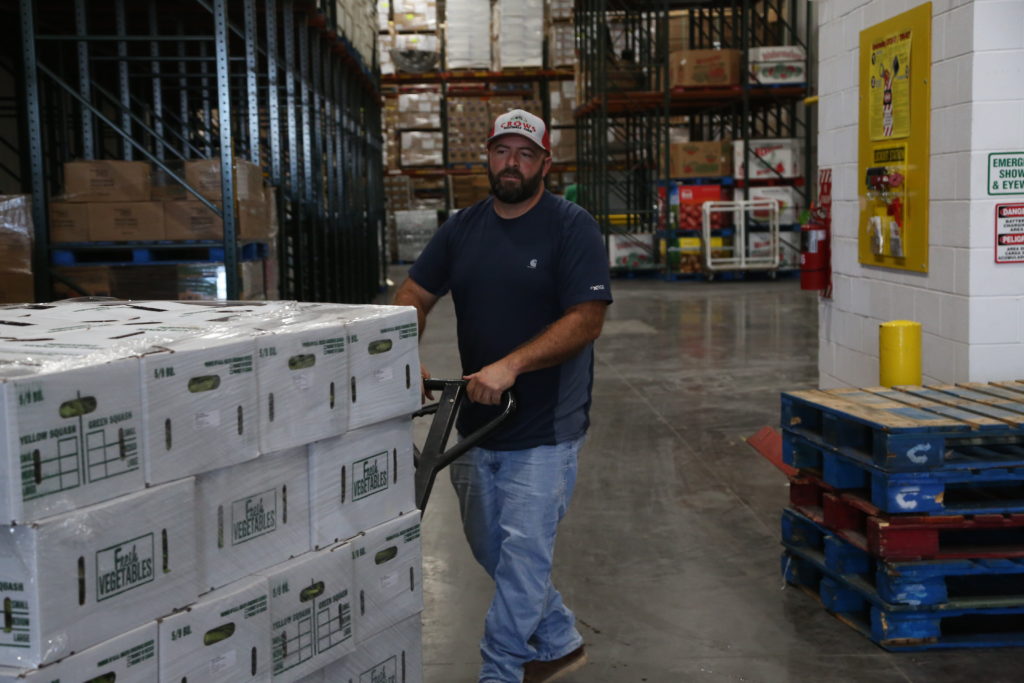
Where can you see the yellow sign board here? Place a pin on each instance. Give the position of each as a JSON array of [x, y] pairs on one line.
[[895, 117]]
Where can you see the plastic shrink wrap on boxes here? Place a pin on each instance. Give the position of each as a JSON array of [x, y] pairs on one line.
[[252, 515], [85, 576], [312, 605], [360, 480], [128, 658], [16, 285], [467, 45], [394, 654], [517, 28], [388, 563], [224, 637]]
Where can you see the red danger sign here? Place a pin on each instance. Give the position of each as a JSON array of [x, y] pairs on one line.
[[1009, 233]]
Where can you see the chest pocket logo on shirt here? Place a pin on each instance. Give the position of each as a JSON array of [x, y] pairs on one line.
[[532, 264]]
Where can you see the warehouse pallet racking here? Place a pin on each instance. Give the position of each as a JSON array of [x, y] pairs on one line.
[[627, 105], [272, 82]]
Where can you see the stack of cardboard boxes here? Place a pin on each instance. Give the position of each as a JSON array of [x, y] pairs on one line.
[[209, 492], [16, 233], [129, 201]]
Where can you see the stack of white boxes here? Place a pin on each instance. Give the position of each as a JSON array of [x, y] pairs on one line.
[[209, 491], [517, 30], [466, 46]]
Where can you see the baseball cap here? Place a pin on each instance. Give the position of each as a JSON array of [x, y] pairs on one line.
[[521, 122]]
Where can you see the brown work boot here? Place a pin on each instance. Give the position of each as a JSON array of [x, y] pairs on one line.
[[541, 672]]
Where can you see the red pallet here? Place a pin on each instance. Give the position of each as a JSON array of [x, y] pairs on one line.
[[907, 537]]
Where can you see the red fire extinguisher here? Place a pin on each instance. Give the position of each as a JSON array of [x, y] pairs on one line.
[[815, 256]]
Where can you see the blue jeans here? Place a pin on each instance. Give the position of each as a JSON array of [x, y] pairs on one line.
[[511, 503]]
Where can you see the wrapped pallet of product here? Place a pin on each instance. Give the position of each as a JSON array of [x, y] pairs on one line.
[[517, 29], [82, 577], [413, 229], [224, 637], [313, 602], [16, 237], [467, 44], [128, 658]]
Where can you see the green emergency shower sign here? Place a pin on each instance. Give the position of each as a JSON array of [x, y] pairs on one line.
[[1006, 173]]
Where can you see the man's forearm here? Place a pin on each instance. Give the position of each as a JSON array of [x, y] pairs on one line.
[[404, 298], [559, 342]]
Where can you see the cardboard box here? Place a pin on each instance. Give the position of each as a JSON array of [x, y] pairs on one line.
[[691, 202], [360, 480], [16, 287], [770, 158], [87, 576], [69, 222], [222, 638], [312, 604], [383, 360], [388, 564], [126, 221], [786, 197], [71, 434], [106, 181], [759, 245], [252, 516], [701, 68], [631, 250], [395, 654], [128, 658], [199, 402], [253, 224], [164, 188], [204, 176], [192, 221], [421, 148], [777, 64], [700, 159], [303, 379]]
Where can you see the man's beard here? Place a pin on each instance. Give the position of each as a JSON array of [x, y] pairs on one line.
[[513, 194]]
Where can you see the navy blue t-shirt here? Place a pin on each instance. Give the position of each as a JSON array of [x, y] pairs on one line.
[[509, 280]]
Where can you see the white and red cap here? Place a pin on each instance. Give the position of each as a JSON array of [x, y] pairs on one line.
[[521, 122]]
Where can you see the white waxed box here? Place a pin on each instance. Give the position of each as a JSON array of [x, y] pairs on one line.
[[389, 575], [360, 480], [252, 516], [74, 580], [311, 612], [394, 655], [222, 638]]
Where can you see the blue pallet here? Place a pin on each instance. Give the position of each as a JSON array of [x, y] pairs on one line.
[[127, 254], [905, 631], [943, 584], [971, 480], [906, 428]]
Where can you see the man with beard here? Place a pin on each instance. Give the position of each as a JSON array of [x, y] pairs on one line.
[[529, 279]]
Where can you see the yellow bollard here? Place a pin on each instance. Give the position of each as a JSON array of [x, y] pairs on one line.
[[899, 350]]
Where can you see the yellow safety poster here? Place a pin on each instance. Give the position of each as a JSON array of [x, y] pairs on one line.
[[890, 87]]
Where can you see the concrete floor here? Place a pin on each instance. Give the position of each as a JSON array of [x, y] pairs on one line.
[[670, 552]]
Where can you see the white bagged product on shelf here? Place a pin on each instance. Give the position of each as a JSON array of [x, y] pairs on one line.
[[312, 599], [389, 575], [72, 427], [302, 375], [252, 516], [467, 45], [394, 654], [128, 658], [77, 579], [360, 480], [517, 27], [769, 158], [199, 397], [222, 638]]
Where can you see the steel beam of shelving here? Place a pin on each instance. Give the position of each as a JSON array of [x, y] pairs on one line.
[[223, 79]]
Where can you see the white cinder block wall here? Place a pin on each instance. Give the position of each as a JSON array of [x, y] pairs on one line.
[[971, 309]]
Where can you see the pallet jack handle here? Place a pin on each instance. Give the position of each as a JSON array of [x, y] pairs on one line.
[[433, 457]]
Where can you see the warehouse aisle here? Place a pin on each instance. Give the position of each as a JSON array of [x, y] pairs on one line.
[[670, 552]]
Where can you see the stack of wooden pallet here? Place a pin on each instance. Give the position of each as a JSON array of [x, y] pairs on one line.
[[906, 517]]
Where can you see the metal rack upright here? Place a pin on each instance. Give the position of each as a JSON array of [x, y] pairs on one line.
[[272, 82]]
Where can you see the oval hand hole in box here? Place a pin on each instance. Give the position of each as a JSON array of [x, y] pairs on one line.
[[204, 383], [77, 407], [301, 361]]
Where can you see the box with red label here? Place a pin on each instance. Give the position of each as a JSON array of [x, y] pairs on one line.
[[704, 68], [769, 158], [709, 159], [691, 202], [777, 64], [786, 197]]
